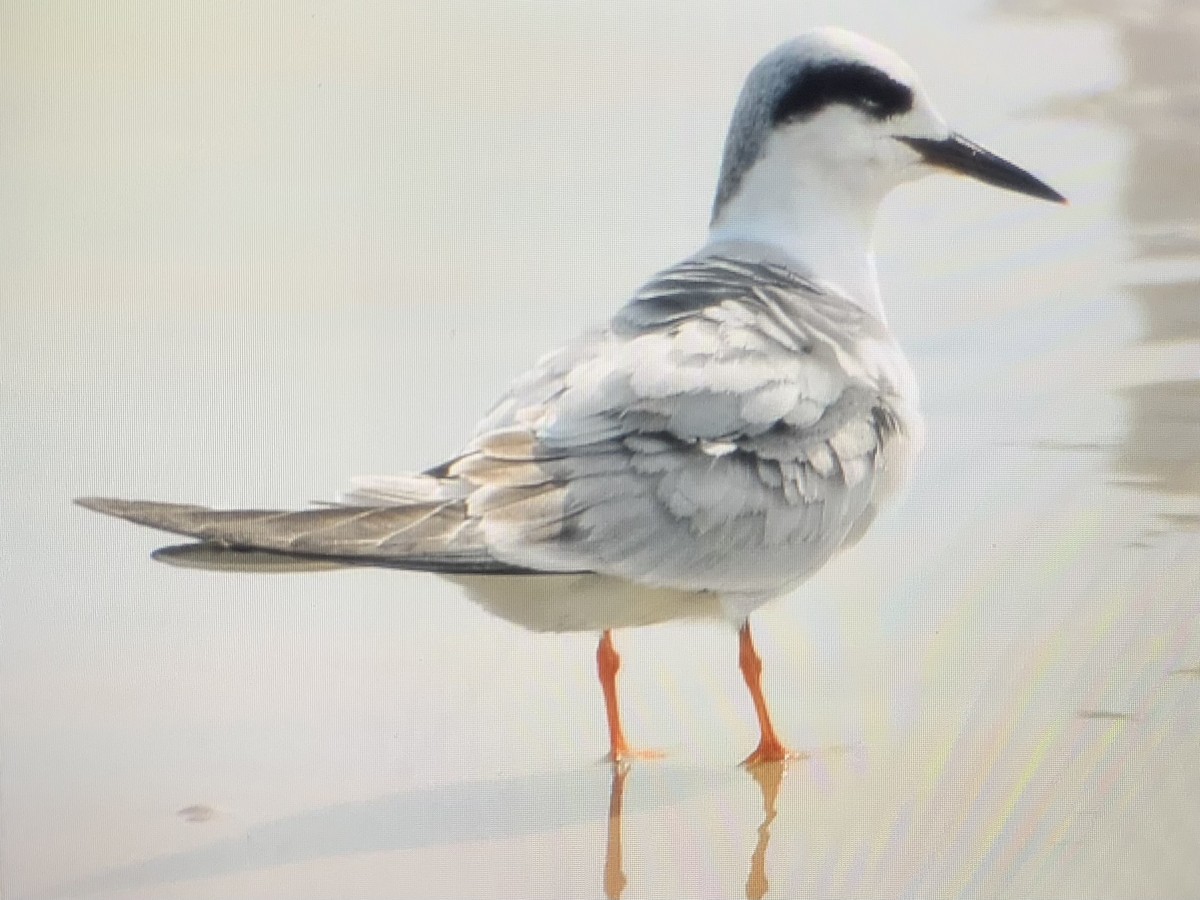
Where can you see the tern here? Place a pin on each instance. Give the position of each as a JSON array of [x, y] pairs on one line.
[[736, 424]]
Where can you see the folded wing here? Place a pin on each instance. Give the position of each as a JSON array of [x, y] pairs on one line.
[[729, 431], [431, 537]]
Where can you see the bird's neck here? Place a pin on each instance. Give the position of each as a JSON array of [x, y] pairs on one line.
[[824, 227]]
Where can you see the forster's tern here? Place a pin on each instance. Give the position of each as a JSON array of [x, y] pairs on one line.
[[738, 422]]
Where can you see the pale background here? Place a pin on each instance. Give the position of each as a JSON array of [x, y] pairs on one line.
[[248, 250]]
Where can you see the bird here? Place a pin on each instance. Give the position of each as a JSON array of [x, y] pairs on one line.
[[736, 424]]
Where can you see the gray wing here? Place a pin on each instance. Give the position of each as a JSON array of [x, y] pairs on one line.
[[732, 428]]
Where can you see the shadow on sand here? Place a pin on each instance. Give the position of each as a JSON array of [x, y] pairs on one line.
[[449, 814]]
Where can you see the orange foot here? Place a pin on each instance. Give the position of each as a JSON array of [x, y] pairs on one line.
[[625, 753], [770, 752]]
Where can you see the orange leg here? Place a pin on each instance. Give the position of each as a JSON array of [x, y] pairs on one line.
[[607, 663], [770, 748]]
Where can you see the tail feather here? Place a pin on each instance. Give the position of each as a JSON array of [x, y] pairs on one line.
[[436, 537], [218, 557]]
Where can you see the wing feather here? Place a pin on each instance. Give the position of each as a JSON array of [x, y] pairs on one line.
[[733, 427], [437, 537], [727, 432]]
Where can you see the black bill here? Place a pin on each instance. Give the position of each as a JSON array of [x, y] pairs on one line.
[[958, 154]]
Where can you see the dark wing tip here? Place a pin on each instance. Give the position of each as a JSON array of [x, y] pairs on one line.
[[179, 518], [109, 506], [114, 506]]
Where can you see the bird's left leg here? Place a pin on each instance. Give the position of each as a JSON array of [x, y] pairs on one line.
[[770, 747]]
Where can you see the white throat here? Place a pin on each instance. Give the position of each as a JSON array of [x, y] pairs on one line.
[[825, 223]]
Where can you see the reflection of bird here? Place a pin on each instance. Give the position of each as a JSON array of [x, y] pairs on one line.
[[767, 775], [614, 865], [733, 426]]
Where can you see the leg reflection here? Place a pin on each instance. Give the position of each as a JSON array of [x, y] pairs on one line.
[[769, 776], [614, 870]]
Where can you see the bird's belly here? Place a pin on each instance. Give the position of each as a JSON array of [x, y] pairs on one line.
[[584, 602]]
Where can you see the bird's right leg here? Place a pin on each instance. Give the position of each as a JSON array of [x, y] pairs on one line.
[[607, 664]]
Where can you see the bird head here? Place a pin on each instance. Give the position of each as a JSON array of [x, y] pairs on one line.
[[833, 112]]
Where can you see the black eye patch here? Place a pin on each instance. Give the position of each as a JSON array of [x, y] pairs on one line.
[[854, 84]]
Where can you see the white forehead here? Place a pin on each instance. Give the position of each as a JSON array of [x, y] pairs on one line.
[[832, 44]]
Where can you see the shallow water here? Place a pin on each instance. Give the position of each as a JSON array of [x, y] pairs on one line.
[[250, 253]]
